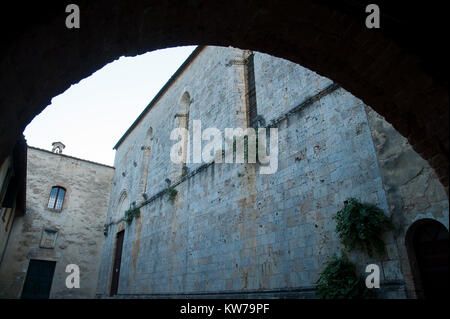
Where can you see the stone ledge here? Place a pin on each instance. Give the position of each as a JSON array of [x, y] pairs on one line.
[[394, 289]]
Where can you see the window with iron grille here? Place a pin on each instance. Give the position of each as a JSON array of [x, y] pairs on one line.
[[56, 199]]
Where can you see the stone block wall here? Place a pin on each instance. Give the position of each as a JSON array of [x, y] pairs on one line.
[[230, 230], [412, 188], [79, 224]]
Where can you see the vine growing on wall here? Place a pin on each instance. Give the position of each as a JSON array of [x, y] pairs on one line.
[[339, 281], [358, 225], [172, 193], [132, 213], [362, 225], [246, 146]]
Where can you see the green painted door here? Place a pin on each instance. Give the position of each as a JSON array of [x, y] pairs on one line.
[[39, 279]]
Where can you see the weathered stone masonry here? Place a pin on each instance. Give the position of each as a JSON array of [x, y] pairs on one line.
[[79, 225], [230, 230]]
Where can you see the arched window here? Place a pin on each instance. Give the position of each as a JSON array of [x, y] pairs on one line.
[[123, 205], [183, 118], [146, 158], [56, 199], [150, 133]]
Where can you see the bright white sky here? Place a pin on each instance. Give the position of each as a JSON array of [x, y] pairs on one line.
[[92, 115]]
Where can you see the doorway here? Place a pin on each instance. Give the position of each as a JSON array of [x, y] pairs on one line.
[[429, 252], [38, 281], [117, 261]]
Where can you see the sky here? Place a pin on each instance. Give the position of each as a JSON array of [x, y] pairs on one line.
[[92, 115]]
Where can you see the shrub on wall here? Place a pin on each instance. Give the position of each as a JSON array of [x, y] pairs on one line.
[[339, 281], [361, 225], [131, 214], [172, 193], [246, 146]]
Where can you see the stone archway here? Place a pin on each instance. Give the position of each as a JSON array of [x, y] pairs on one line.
[[427, 245], [398, 70]]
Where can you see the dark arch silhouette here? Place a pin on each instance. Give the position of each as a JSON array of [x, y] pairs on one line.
[[428, 252], [399, 70]]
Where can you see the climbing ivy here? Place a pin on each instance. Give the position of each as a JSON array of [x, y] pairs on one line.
[[132, 213], [361, 225], [172, 192], [246, 146], [339, 281]]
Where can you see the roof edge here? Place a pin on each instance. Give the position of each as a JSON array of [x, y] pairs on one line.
[[174, 76], [72, 157]]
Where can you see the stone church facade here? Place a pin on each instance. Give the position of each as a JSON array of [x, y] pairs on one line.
[[221, 229], [66, 204]]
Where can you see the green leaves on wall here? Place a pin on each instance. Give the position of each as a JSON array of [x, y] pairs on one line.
[[361, 225]]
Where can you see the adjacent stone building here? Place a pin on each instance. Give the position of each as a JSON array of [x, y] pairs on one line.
[[12, 191], [66, 206], [221, 229]]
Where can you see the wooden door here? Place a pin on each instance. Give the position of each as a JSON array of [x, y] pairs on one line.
[[117, 260], [38, 281]]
